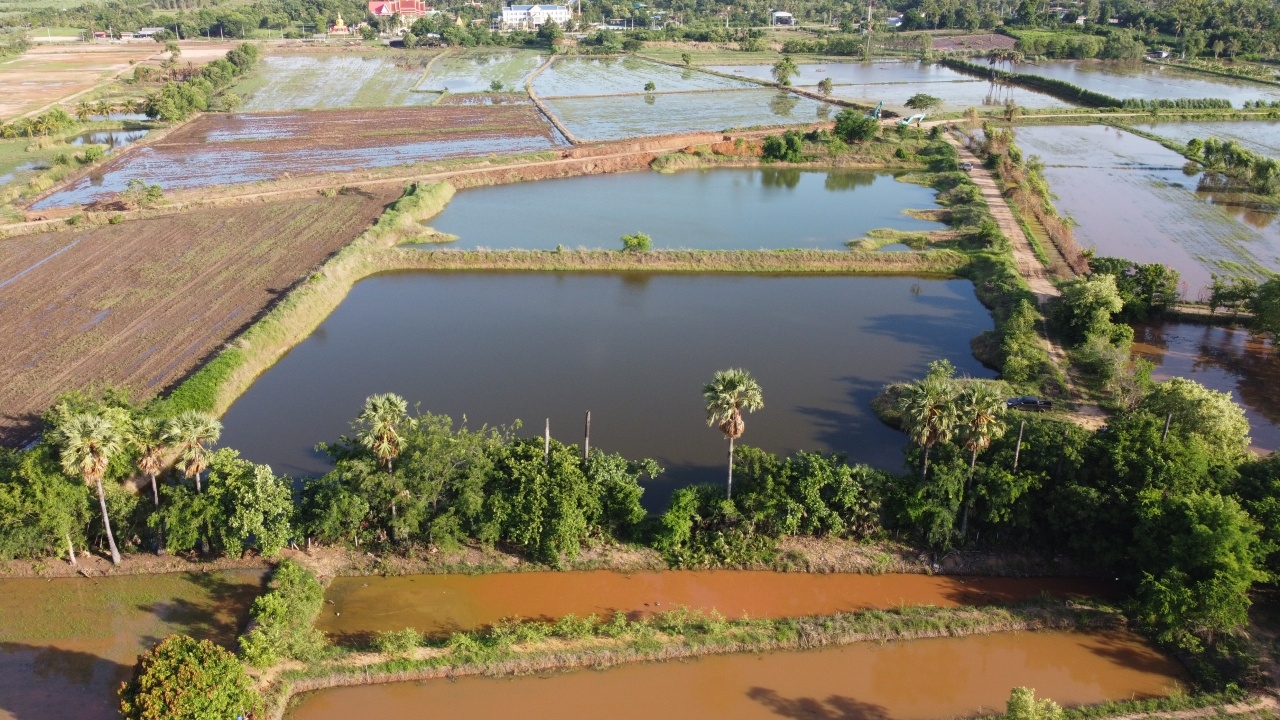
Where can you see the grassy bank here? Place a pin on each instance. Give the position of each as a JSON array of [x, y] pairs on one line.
[[522, 648]]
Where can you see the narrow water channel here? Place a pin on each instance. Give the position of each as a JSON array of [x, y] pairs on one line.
[[439, 604], [635, 350], [915, 680]]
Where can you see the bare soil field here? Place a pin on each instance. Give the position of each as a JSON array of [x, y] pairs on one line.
[[975, 43], [44, 75], [224, 149], [139, 304]]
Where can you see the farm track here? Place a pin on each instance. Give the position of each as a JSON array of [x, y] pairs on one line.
[[140, 305]]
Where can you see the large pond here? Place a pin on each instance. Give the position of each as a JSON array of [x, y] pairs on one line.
[[1125, 80], [1260, 136], [893, 82], [916, 680], [67, 644], [614, 118], [1224, 359], [439, 604], [1132, 199], [705, 209], [632, 349]]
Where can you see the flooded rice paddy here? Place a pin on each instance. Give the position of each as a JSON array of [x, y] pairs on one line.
[[477, 70], [613, 75], [722, 209], [219, 149], [893, 82], [1260, 136], [1126, 80], [1132, 200], [916, 680], [499, 347], [67, 644], [441, 604], [311, 82], [618, 117], [1224, 359]]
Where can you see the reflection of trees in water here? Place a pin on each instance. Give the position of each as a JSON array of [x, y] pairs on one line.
[[848, 180], [998, 93], [824, 111], [780, 177], [783, 103], [650, 99], [1245, 208], [833, 708], [1255, 365]]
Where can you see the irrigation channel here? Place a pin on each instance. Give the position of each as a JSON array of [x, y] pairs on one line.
[[919, 679], [437, 605], [721, 209], [634, 349]]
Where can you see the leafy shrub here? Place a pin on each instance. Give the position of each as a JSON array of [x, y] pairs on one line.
[[398, 642], [637, 243], [788, 147], [282, 619], [853, 126], [186, 679], [91, 154]]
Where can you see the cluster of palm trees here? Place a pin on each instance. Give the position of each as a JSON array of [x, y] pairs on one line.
[[85, 109], [88, 442], [42, 125], [937, 410]]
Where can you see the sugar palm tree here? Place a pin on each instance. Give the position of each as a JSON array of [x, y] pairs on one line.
[[928, 413], [381, 426], [191, 432], [84, 111], [979, 420], [88, 443], [728, 395], [147, 435]]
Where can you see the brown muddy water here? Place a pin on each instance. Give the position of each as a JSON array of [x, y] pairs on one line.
[[441, 604], [67, 644], [919, 679], [1224, 359]]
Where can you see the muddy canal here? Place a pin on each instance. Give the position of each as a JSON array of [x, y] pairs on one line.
[[916, 680], [724, 209], [633, 349], [67, 644], [440, 604]]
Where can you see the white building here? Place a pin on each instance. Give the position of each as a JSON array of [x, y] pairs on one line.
[[525, 17], [779, 17]]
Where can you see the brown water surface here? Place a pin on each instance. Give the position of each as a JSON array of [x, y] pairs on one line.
[[438, 604], [938, 678], [67, 644]]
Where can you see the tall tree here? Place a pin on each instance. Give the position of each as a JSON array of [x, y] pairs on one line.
[[88, 443], [728, 395], [928, 409], [191, 433], [147, 435], [979, 420], [784, 69], [381, 428]]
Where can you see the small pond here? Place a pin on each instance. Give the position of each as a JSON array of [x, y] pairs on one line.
[[914, 680], [113, 139], [1224, 359], [722, 209], [635, 350], [1132, 199]]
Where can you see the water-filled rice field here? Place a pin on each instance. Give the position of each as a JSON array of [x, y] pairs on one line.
[[477, 70], [612, 75], [309, 82], [1145, 80], [1260, 136], [614, 118]]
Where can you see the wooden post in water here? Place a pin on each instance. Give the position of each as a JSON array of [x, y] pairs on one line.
[[586, 439], [1017, 451], [546, 442], [1165, 436]]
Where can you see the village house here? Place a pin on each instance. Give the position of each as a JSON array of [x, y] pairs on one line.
[[527, 17]]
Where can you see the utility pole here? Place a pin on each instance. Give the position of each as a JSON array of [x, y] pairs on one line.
[[586, 440], [546, 443], [1017, 451]]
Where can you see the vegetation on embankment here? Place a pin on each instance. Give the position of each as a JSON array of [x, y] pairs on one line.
[[521, 648]]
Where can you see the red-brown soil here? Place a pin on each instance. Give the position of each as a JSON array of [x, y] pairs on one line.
[[140, 304], [975, 43]]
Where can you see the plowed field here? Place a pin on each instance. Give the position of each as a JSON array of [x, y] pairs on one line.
[[140, 304]]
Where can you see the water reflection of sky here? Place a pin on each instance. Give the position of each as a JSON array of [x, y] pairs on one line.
[[1224, 359], [1132, 199], [1126, 80]]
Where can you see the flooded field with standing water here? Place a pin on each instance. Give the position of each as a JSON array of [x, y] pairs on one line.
[[612, 75], [915, 680], [313, 82], [893, 82], [633, 349], [67, 644], [721, 209], [1223, 359], [1260, 136], [1149, 81], [441, 604], [618, 117], [1132, 200]]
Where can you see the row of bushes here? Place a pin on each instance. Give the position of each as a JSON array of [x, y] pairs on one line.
[[1050, 86], [1176, 104]]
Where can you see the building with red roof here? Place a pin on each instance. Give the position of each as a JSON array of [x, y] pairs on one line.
[[403, 8]]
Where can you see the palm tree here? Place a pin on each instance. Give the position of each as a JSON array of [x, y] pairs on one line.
[[88, 444], [103, 108], [380, 426], [928, 413], [729, 393], [980, 419], [190, 432], [84, 111], [148, 436]]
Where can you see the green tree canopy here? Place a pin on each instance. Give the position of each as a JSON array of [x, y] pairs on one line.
[[186, 679]]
